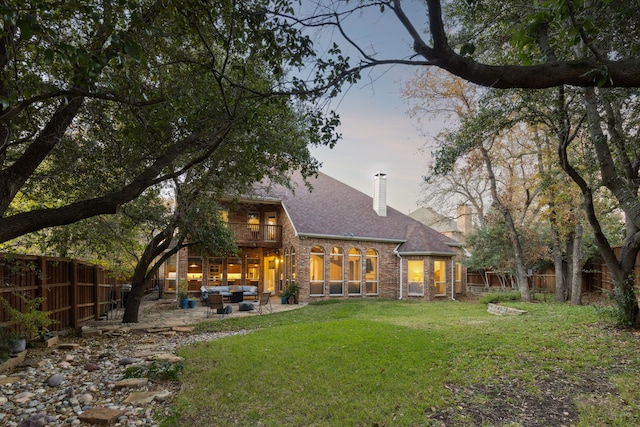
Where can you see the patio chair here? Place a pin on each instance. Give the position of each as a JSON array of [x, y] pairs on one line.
[[265, 303], [216, 306]]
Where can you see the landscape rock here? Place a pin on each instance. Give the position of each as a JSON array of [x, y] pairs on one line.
[[101, 416], [55, 380], [502, 310], [94, 390]]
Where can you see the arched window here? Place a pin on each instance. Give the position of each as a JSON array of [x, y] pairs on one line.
[[316, 271], [371, 271], [355, 272], [336, 266]]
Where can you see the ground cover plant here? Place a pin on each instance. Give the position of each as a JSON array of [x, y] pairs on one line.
[[399, 363]]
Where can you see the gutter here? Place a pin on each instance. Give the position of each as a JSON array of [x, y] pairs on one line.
[[395, 251], [430, 253], [347, 236], [453, 279]]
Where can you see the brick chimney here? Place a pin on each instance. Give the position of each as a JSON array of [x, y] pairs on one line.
[[464, 219], [380, 193]]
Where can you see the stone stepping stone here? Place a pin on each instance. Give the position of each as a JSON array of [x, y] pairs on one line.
[[166, 357], [158, 330], [132, 383], [68, 346], [9, 380], [183, 328], [100, 416]]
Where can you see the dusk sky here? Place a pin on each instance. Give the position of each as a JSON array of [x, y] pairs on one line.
[[377, 133]]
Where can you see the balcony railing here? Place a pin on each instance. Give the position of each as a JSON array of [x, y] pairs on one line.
[[257, 234]]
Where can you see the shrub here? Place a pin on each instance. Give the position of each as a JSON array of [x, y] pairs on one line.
[[497, 297], [7, 339], [161, 370]]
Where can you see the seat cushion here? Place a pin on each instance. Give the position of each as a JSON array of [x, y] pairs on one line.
[[245, 306]]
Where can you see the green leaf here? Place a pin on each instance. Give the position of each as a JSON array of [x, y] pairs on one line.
[[467, 49], [134, 50], [48, 57]]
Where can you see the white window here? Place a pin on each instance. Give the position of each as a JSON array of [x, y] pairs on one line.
[[355, 272], [415, 277], [336, 266], [316, 271], [439, 277], [371, 271]]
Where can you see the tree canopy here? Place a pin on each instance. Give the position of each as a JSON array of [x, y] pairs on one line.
[[101, 100], [508, 44]]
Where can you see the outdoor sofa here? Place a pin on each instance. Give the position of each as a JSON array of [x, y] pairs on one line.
[[227, 291]]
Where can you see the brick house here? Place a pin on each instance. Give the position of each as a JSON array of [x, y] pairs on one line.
[[334, 241]]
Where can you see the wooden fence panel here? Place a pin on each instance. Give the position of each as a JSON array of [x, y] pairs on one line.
[[74, 292]]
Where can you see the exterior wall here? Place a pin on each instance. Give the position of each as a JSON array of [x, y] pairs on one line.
[[429, 280], [237, 213], [388, 262], [387, 265]]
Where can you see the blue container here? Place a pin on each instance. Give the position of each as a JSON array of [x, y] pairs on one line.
[[184, 302]]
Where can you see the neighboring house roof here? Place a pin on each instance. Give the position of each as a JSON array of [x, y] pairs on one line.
[[335, 210], [435, 220]]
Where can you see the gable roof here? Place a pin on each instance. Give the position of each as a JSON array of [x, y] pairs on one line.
[[435, 220], [334, 210]]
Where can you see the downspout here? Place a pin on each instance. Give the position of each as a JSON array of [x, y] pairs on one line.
[[395, 251], [453, 279]]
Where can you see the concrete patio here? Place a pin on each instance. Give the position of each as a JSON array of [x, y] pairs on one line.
[[165, 313]]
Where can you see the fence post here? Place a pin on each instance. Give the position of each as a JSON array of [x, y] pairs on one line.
[[73, 278]]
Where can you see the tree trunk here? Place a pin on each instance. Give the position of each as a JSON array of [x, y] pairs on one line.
[[576, 279], [142, 274], [521, 274], [132, 309], [570, 242], [620, 267], [561, 286]]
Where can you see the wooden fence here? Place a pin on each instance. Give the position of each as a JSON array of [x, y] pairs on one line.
[[74, 292], [595, 278]]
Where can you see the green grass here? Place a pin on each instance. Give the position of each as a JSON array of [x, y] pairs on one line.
[[397, 363]]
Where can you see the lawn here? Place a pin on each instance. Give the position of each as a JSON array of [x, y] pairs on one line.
[[398, 363]]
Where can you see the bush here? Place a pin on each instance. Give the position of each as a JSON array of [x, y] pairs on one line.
[[497, 297], [156, 371], [7, 339]]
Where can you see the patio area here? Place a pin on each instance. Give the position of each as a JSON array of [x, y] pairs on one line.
[[165, 313]]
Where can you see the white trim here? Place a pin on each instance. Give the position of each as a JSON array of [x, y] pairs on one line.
[[440, 254], [395, 251]]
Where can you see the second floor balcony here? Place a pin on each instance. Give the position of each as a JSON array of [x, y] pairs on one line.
[[257, 235]]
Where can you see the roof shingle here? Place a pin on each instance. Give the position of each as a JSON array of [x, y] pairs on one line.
[[334, 210]]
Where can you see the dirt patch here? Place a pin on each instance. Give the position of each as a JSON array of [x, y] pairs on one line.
[[513, 402]]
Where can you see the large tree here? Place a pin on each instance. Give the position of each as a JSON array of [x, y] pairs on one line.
[[275, 142], [101, 100], [453, 36], [552, 43]]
